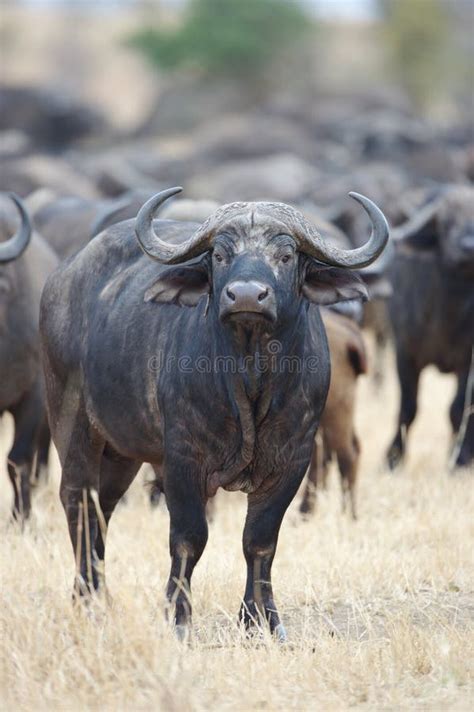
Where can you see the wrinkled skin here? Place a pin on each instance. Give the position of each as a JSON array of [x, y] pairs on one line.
[[432, 308], [124, 340], [336, 436], [21, 383]]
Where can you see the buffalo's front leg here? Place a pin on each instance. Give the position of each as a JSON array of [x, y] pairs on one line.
[[80, 456], [264, 517], [188, 537]]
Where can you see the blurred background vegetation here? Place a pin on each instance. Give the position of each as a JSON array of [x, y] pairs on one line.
[[422, 47], [424, 42], [124, 55], [234, 38]]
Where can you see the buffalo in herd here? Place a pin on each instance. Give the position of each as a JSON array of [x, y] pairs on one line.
[[221, 342]]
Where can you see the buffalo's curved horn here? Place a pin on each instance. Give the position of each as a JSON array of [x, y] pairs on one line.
[[162, 251], [419, 220], [306, 236], [310, 241], [17, 244]]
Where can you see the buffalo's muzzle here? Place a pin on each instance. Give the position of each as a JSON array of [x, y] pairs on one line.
[[242, 298]]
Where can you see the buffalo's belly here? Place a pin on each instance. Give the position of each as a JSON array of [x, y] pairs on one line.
[[125, 423], [433, 324]]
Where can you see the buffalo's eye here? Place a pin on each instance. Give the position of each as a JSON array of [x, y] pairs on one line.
[[218, 257], [286, 258]]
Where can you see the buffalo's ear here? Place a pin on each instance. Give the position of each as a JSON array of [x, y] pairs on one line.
[[181, 285], [329, 285]]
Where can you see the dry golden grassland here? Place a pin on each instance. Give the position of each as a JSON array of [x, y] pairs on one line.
[[380, 613]]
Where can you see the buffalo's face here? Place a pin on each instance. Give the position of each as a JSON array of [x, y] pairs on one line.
[[254, 280], [456, 231], [444, 228], [258, 262], [254, 275]]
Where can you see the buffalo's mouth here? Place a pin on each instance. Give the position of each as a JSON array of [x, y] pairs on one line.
[[247, 301], [248, 317]]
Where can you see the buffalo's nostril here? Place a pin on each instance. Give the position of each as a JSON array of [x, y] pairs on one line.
[[231, 295], [263, 295]]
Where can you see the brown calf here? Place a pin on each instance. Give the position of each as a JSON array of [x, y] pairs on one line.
[[336, 434]]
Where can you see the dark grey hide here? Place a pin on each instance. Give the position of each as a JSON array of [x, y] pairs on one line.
[[147, 363], [25, 263], [432, 307]]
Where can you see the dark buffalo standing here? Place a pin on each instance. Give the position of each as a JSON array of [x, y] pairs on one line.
[[225, 392], [432, 308], [25, 262]]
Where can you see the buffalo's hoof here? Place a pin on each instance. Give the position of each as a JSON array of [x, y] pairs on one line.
[[394, 458], [41, 477], [465, 458], [306, 509], [155, 497], [279, 633], [19, 516], [182, 632]]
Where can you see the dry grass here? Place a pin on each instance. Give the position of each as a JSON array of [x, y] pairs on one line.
[[380, 613]]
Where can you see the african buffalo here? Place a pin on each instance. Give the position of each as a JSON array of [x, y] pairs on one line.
[[25, 262], [225, 392], [432, 307]]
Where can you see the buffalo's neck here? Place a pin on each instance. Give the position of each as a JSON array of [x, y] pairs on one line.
[[251, 385], [260, 356]]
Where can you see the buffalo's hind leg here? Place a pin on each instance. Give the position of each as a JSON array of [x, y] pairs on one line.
[[264, 517], [116, 475], [188, 537], [348, 462], [27, 417], [317, 475], [80, 452]]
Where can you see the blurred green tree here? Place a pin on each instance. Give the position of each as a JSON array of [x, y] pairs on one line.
[[227, 38], [421, 41]]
